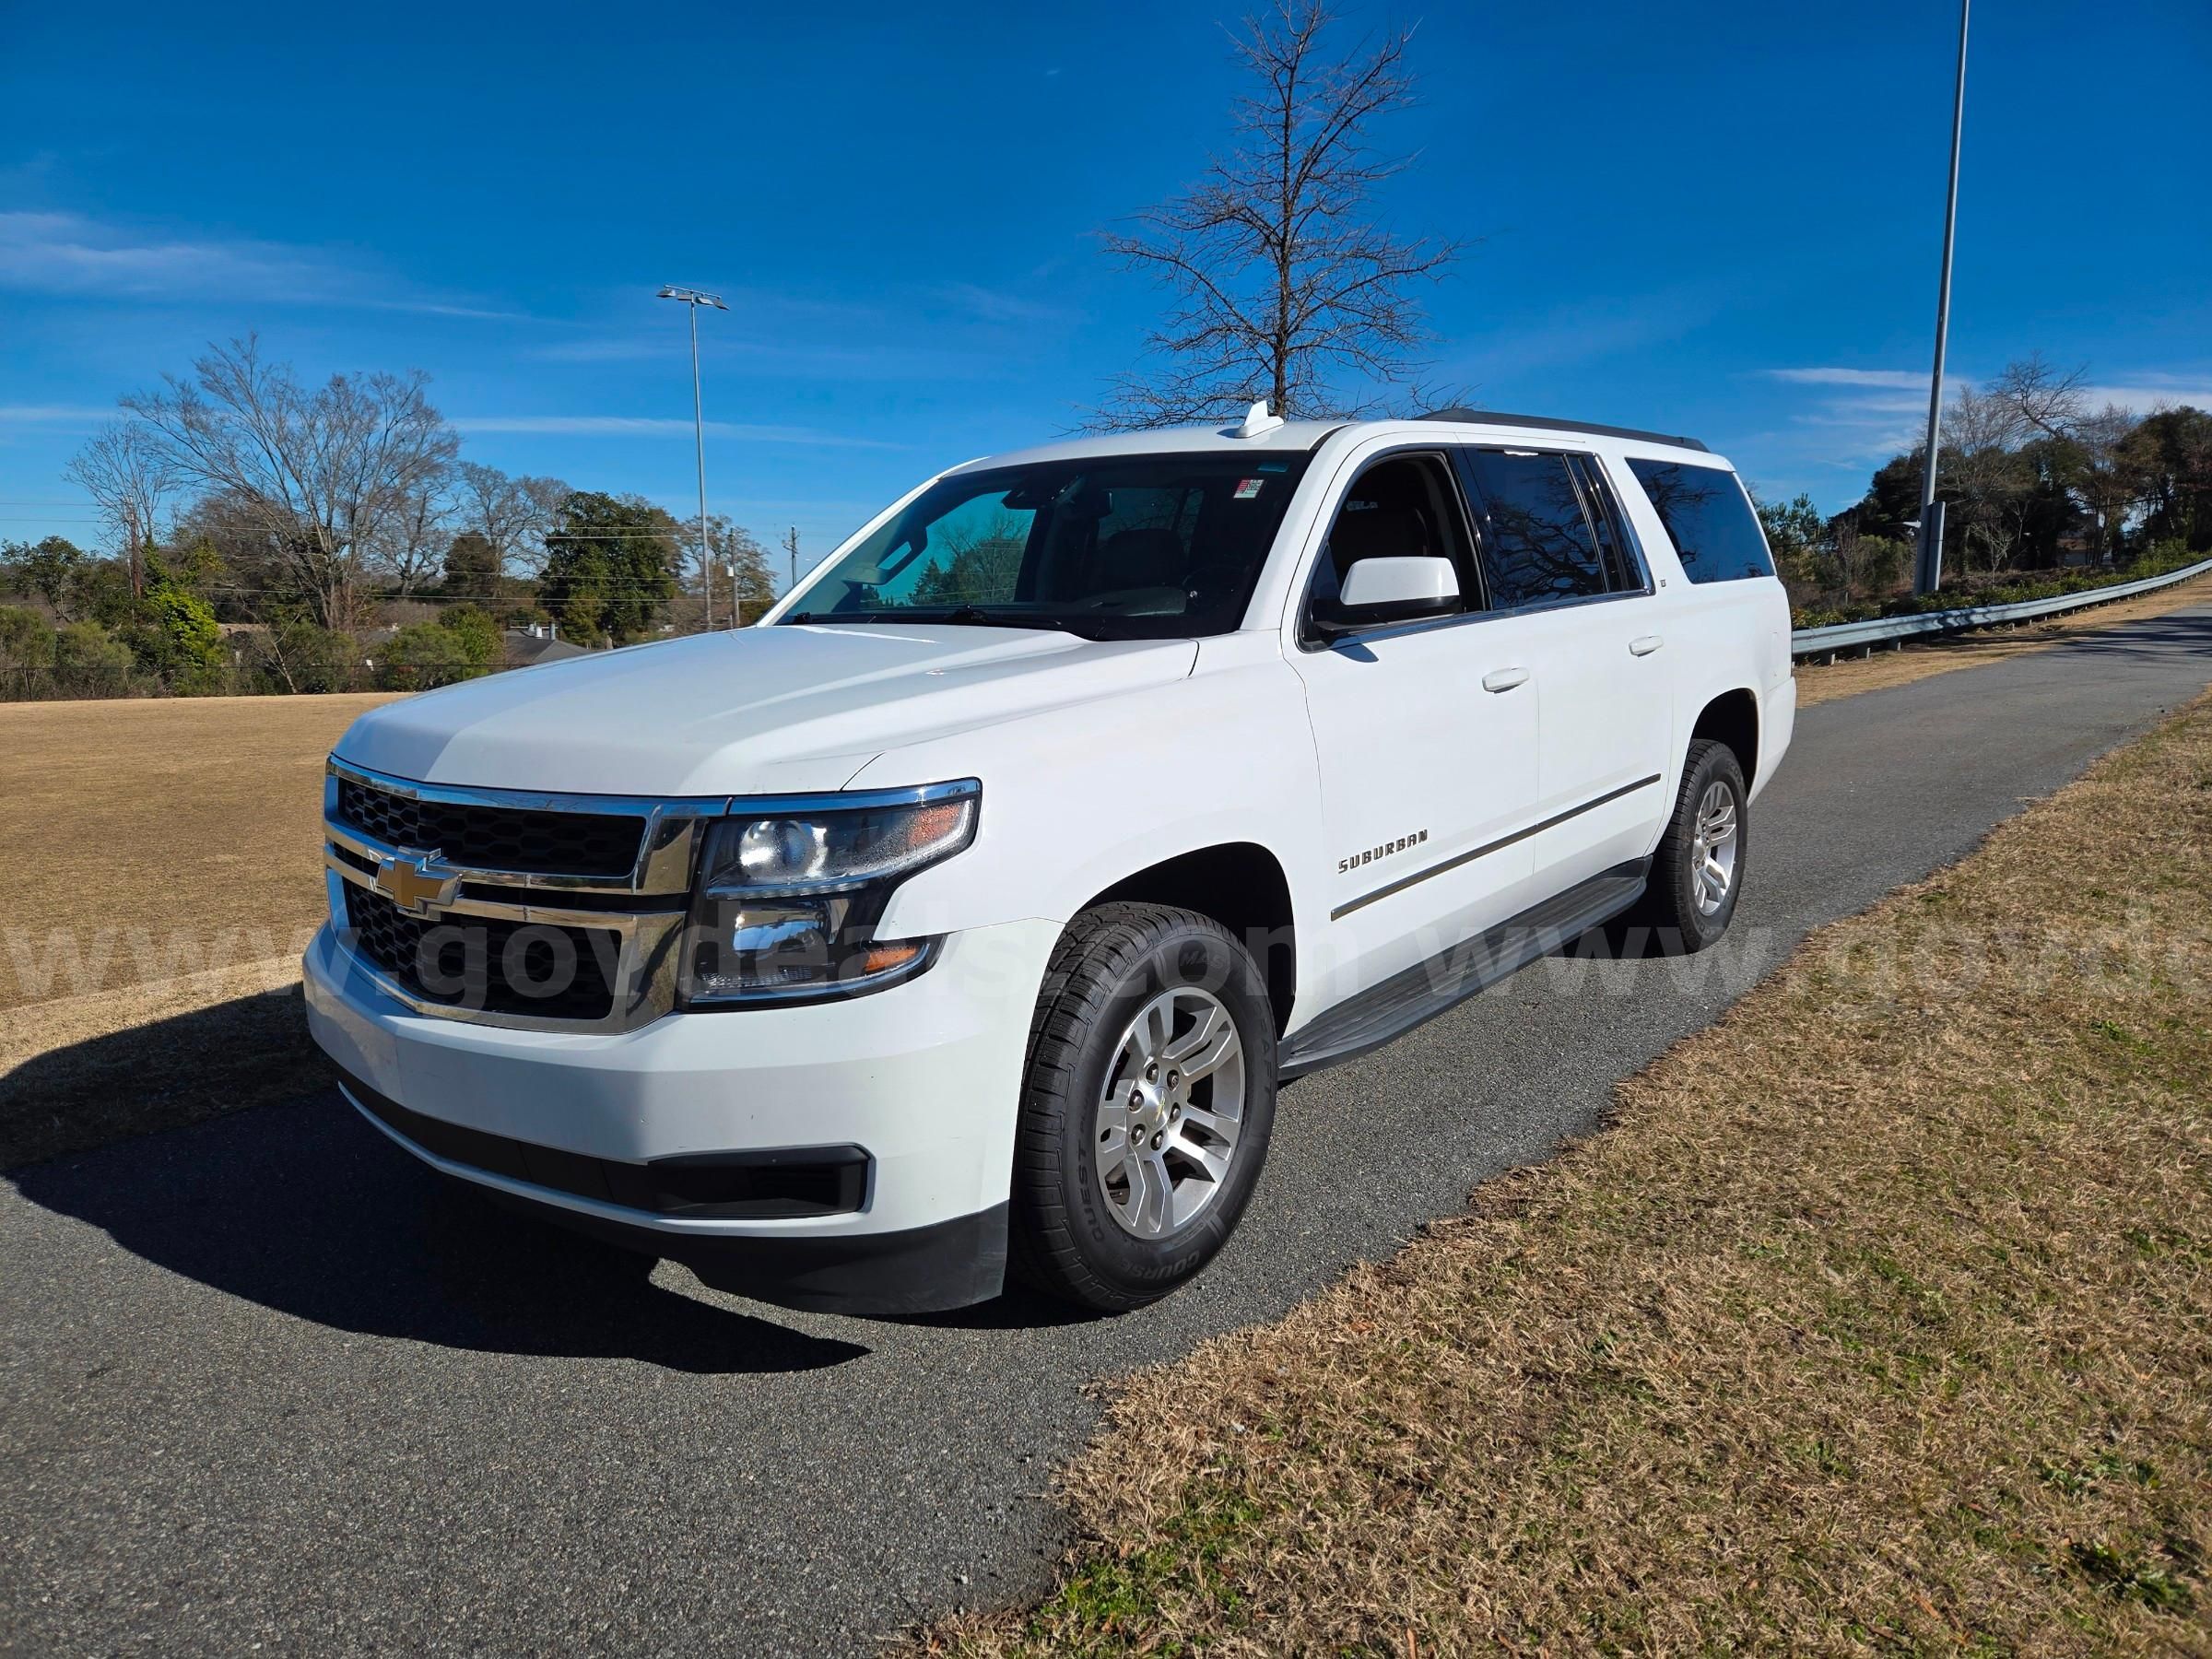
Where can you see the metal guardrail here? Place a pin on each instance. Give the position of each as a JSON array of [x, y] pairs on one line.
[[1885, 631]]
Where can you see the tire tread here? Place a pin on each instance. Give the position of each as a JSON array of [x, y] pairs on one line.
[[1099, 949]]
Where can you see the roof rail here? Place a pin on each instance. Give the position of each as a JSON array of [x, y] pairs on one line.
[[1546, 423]]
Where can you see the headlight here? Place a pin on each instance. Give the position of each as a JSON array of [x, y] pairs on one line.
[[787, 902]]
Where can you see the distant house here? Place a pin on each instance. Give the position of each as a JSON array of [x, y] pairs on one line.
[[527, 646]]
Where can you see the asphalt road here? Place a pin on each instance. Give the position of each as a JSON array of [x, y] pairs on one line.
[[265, 1383]]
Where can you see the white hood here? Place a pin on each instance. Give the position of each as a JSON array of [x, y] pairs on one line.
[[749, 711]]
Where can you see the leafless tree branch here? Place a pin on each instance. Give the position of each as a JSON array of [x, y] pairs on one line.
[[127, 473], [1281, 285], [326, 475]]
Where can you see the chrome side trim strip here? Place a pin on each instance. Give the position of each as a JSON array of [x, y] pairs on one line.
[[1498, 845]]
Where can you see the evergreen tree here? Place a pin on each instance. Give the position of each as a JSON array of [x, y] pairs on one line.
[[611, 564]]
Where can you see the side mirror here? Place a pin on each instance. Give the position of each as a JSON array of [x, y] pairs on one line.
[[1384, 590]]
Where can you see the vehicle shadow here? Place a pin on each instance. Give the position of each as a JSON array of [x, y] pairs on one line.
[[304, 1208]]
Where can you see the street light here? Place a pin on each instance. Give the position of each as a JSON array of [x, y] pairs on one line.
[[1928, 574], [694, 299]]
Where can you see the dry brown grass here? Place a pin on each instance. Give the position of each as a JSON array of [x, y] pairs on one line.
[[1881, 1318], [161, 858], [1817, 684], [164, 826], [186, 832]]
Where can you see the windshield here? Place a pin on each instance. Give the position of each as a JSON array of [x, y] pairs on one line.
[[1124, 546]]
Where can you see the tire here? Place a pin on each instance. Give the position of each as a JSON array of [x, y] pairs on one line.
[[1677, 904], [1094, 1222]]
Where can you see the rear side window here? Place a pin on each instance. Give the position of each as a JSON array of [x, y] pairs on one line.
[[1708, 518], [1538, 545]]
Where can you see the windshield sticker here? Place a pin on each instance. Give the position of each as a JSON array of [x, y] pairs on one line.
[[1274, 466], [1248, 487]]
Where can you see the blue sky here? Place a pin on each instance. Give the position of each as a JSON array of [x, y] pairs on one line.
[[1719, 219]]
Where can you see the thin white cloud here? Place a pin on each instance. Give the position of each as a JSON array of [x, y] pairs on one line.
[[438, 308], [2141, 393], [1902, 379], [74, 256], [2161, 392], [634, 425], [993, 305], [68, 254], [53, 414]]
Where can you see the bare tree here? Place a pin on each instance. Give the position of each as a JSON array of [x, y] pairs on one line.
[[2104, 483], [323, 473], [1981, 421], [2042, 397], [1283, 286], [2047, 403], [511, 513], [126, 471], [410, 544], [1980, 467]]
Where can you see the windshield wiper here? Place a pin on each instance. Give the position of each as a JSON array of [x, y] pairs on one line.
[[920, 616], [977, 615]]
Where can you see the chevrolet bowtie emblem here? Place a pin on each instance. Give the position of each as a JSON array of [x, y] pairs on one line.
[[417, 882]]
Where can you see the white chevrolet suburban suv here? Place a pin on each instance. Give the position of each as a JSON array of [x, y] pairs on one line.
[[964, 915]]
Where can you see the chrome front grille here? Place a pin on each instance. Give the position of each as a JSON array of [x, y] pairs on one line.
[[483, 963], [548, 912], [494, 837]]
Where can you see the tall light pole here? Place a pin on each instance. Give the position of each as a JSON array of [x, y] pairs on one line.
[[1927, 575], [694, 299]]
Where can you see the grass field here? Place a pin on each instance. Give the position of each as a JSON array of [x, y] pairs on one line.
[[177, 851], [1879, 1318]]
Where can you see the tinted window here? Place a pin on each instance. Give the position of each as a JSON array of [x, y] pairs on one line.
[[1120, 547], [1403, 507], [1538, 544], [1624, 569], [1708, 518]]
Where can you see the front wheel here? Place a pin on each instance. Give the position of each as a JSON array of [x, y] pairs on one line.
[[1146, 1105]]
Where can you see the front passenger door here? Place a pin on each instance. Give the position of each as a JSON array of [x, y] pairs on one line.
[[1424, 771]]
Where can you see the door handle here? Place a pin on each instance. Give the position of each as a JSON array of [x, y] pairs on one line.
[[1504, 679], [1645, 645]]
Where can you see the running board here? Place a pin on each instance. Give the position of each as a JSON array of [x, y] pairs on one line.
[[1363, 1023]]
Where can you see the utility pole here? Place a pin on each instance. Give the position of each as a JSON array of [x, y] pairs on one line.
[[694, 299], [791, 546], [1927, 576]]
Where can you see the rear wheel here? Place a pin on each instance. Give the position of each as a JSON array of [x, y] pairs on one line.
[[1146, 1108], [1698, 872]]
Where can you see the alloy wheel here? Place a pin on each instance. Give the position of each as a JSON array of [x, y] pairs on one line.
[[1170, 1115]]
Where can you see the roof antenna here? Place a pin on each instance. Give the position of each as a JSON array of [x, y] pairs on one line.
[[1257, 421]]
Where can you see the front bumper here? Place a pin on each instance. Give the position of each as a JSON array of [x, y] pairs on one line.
[[925, 1078]]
